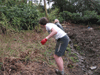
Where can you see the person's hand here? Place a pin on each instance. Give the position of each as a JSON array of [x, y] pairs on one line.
[[43, 41]]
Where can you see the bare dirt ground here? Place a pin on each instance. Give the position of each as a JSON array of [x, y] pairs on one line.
[[83, 59], [86, 41]]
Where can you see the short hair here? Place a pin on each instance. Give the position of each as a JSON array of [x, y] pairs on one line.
[[43, 21]]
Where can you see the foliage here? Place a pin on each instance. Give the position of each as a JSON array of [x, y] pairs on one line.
[[65, 15], [4, 22], [90, 17], [11, 3], [76, 17], [86, 17], [83, 5], [53, 14], [41, 10], [78, 11], [25, 16], [77, 5], [22, 16], [64, 5], [98, 19], [2, 9]]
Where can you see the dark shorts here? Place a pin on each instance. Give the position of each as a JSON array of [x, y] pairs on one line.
[[61, 46]]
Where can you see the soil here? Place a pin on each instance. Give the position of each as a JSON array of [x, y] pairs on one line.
[[85, 44]]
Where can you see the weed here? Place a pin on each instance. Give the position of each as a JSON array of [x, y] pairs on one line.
[[81, 53], [69, 49], [38, 28], [27, 58], [70, 65], [1, 65], [74, 59], [52, 63], [75, 54], [78, 48]]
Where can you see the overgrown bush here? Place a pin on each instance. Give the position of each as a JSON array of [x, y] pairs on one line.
[[87, 17], [41, 11], [53, 14], [98, 19], [90, 17], [22, 16], [68, 16]]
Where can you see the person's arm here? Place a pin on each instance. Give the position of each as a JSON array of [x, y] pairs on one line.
[[53, 32]]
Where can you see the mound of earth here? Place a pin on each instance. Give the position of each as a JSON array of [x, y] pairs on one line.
[[87, 43], [16, 66]]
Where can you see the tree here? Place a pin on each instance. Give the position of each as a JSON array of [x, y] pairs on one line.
[[83, 5], [45, 8], [77, 5], [64, 5]]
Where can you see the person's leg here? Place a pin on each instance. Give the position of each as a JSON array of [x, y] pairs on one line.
[[61, 45], [59, 62]]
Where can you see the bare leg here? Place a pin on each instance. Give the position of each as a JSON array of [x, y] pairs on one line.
[[59, 62]]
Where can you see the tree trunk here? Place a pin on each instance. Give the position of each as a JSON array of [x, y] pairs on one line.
[[45, 8]]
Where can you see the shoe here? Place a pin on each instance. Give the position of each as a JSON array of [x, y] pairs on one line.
[[59, 72]]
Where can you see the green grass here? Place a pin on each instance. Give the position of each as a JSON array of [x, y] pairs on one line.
[[72, 56], [1, 65], [74, 59], [12, 45]]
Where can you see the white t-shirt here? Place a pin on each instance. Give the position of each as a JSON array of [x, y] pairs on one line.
[[60, 32]]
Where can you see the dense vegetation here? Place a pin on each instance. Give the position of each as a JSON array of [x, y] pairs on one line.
[[79, 11], [20, 15]]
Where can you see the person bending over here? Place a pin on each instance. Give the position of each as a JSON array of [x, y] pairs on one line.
[[61, 44]]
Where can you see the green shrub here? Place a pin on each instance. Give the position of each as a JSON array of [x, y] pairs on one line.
[[61, 17], [75, 17], [98, 19], [2, 9], [53, 14], [90, 17], [87, 17], [65, 15], [41, 11], [11, 3], [22, 16]]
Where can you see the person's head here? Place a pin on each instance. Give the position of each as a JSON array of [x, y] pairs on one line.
[[56, 20], [43, 21]]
